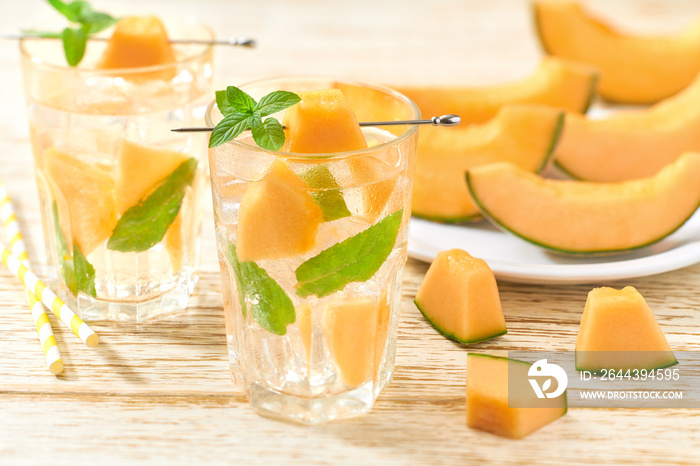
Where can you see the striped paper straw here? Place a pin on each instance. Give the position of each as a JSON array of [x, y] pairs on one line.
[[9, 221], [50, 300], [41, 320]]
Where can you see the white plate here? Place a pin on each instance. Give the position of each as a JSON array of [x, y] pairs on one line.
[[514, 259]]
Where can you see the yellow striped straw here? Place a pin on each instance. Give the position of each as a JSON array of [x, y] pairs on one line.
[[9, 221], [41, 320], [49, 298]]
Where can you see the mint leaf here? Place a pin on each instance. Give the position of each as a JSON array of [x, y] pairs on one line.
[[269, 135], [329, 197], [231, 126], [355, 259], [65, 260], [241, 113], [66, 10], [97, 22], [74, 42], [144, 225], [239, 100], [267, 302], [222, 102], [276, 102], [84, 273]]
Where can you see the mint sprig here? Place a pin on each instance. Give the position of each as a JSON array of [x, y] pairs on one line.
[[84, 273], [145, 224], [84, 22], [78, 274], [355, 259], [258, 293], [241, 112]]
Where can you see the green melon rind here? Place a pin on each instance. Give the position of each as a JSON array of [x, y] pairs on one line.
[[566, 400], [452, 336], [599, 369], [547, 157], [602, 252]]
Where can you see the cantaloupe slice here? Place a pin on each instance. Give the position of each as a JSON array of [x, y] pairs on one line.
[[493, 385], [322, 122], [174, 243], [556, 82], [634, 69], [580, 217], [631, 145], [459, 297], [382, 332], [139, 169], [88, 193], [618, 331], [522, 134], [277, 218], [137, 41], [350, 328]]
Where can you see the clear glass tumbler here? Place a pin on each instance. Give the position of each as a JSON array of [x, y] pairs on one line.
[[120, 193], [311, 330]]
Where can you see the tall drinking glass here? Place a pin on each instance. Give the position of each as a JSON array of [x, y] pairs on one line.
[[120, 193], [312, 249]]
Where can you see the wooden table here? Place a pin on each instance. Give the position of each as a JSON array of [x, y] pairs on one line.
[[160, 392]]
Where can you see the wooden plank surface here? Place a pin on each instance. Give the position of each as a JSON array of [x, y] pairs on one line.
[[160, 392]]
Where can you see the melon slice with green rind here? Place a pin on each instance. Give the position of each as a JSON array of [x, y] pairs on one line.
[[459, 297], [560, 83], [87, 192], [525, 135], [634, 69], [277, 218], [632, 144], [578, 217], [494, 384], [618, 331]]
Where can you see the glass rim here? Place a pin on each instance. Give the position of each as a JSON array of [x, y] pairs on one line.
[[124, 72], [325, 155]]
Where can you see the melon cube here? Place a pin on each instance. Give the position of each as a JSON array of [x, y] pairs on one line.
[[278, 218], [322, 122], [137, 41], [618, 331], [501, 400], [87, 192], [459, 297]]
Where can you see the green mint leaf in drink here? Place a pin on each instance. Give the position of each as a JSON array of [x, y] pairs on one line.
[[276, 102], [84, 273], [355, 259], [261, 295], [239, 100], [65, 259], [227, 129], [74, 42], [145, 224], [242, 113], [85, 22], [327, 195], [222, 102], [269, 135]]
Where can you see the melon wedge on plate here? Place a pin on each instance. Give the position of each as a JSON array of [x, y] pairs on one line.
[[633, 69], [459, 297], [618, 331], [500, 399], [631, 144], [556, 82], [579, 217], [525, 135]]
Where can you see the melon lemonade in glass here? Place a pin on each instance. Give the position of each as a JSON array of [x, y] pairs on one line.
[[312, 243], [120, 193]]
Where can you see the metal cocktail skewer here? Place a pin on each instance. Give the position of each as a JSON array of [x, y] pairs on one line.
[[235, 41], [443, 120]]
